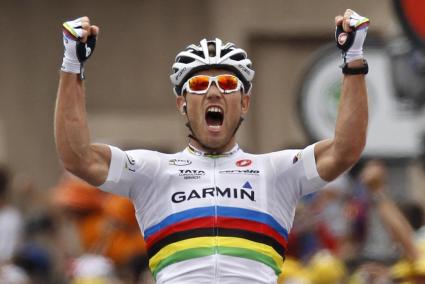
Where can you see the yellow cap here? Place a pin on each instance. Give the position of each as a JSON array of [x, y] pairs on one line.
[[293, 272], [356, 278], [419, 266], [90, 280], [401, 270], [325, 268], [290, 267]]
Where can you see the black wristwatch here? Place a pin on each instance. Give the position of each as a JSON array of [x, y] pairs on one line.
[[357, 70]]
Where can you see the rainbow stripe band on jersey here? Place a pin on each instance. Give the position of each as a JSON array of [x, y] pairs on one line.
[[216, 230]]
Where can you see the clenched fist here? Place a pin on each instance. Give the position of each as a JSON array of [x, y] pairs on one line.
[[79, 39], [351, 30]]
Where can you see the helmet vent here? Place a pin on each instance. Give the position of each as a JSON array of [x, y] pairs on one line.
[[225, 51], [185, 59], [211, 49], [237, 57], [198, 53]]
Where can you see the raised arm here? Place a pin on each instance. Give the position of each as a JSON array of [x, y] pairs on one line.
[[373, 177], [85, 160], [334, 156]]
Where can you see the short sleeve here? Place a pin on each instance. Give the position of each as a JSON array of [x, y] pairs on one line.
[[130, 172], [296, 171]]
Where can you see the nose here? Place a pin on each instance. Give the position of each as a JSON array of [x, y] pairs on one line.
[[214, 91]]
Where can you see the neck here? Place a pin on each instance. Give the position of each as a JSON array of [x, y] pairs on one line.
[[219, 150]]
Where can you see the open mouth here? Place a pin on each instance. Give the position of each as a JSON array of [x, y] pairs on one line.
[[214, 116]]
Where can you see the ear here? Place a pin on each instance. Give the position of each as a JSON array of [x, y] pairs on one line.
[[245, 103], [180, 103]]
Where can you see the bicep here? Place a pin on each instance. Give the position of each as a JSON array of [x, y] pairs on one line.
[[96, 169], [328, 162]]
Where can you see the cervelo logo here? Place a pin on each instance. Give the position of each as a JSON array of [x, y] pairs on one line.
[[243, 163], [177, 162], [191, 174], [342, 38], [240, 172]]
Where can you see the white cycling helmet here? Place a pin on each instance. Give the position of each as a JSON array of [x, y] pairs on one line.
[[211, 54]]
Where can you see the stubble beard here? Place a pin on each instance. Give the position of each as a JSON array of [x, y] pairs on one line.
[[220, 145]]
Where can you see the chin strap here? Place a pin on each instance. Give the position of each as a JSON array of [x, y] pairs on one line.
[[241, 119], [192, 135]]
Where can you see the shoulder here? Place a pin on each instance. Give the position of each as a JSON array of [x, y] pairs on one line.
[[283, 160], [283, 154], [150, 156], [279, 160], [287, 156]]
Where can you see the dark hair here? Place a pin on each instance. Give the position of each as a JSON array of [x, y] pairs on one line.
[[4, 180]]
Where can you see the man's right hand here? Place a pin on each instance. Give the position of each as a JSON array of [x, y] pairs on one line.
[[79, 155], [79, 39]]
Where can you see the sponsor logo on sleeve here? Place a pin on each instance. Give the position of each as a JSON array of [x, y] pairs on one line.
[[297, 157], [243, 163], [177, 162], [130, 163]]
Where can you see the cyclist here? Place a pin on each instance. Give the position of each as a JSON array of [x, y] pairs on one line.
[[212, 213]]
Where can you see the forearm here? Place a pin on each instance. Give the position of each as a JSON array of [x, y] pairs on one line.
[[334, 156], [71, 130], [72, 136], [396, 224], [352, 119]]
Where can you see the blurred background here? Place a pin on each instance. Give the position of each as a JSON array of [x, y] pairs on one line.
[[131, 105]]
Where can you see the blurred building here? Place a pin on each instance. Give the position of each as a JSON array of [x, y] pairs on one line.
[[130, 101]]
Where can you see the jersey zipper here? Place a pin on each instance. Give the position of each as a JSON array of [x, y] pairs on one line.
[[215, 226]]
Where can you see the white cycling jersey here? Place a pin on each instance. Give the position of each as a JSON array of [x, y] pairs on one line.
[[214, 219]]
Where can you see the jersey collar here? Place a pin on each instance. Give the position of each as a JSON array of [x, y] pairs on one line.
[[191, 149]]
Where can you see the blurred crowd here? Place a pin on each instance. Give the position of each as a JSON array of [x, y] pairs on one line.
[[352, 231], [74, 234]]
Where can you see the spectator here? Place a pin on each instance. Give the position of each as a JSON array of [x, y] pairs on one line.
[[405, 229], [11, 223], [11, 274]]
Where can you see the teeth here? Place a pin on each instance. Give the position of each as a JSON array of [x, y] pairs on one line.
[[214, 109]]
